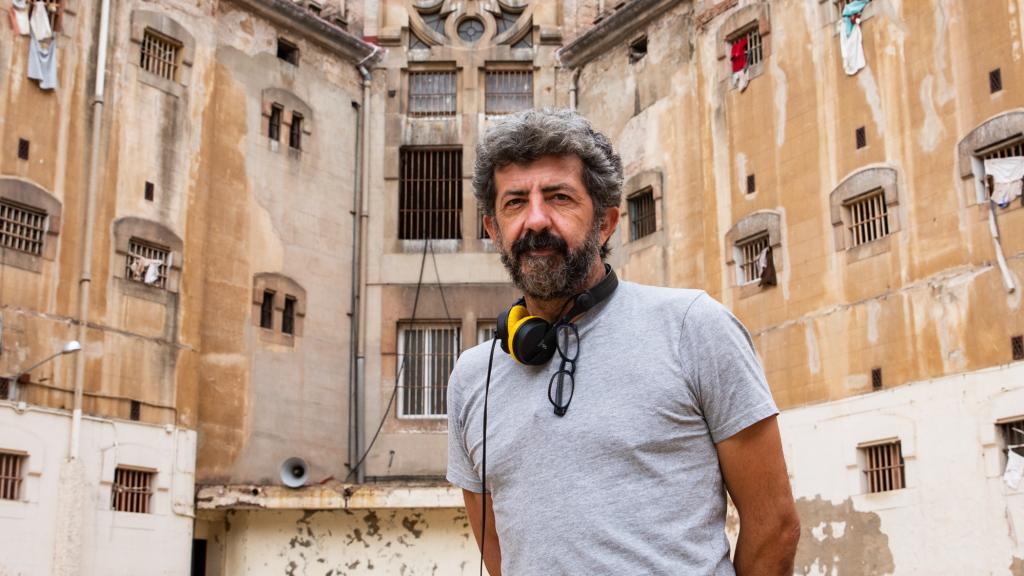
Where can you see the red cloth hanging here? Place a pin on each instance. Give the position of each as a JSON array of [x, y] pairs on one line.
[[739, 54]]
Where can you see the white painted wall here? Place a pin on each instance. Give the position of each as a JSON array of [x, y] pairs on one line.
[[63, 503], [955, 516]]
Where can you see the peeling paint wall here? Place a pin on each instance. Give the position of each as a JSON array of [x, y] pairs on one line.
[[405, 542]]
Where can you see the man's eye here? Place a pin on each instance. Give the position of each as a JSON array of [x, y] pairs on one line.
[[514, 202], [562, 197]]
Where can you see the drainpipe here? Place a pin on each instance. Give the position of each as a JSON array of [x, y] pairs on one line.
[[90, 219], [572, 88], [357, 375]]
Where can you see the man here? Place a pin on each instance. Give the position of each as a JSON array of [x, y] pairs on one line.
[[669, 406]]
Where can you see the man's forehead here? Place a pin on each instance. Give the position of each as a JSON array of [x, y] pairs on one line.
[[553, 169]]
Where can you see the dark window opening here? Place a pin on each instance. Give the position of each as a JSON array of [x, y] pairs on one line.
[[876, 378], [315, 8], [1017, 345], [861, 136], [995, 81], [638, 49], [23, 146], [1013, 435], [149, 191], [430, 194], [5, 389], [274, 128], [10, 475], [642, 217], [288, 316], [751, 184], [295, 133], [267, 310], [136, 411], [198, 557], [287, 51]]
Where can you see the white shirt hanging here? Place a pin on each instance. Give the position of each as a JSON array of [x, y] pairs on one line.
[[40, 22]]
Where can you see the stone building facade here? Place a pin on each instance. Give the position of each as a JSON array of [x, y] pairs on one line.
[[262, 232]]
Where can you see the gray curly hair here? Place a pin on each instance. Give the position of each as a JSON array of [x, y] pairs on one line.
[[527, 136]]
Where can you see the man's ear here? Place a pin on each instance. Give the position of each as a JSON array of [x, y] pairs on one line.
[[489, 225], [611, 220]]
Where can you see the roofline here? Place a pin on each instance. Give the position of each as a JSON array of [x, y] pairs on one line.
[[615, 28], [292, 16]]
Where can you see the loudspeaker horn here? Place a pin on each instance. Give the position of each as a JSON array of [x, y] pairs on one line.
[[294, 472]]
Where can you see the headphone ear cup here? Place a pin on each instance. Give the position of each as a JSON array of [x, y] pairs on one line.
[[531, 342], [507, 324]]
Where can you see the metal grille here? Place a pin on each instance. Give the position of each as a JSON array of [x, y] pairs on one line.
[[869, 220], [751, 184], [430, 194], [295, 132], [160, 55], [1013, 435], [642, 216], [135, 410], [1017, 347], [876, 378], [22, 228], [508, 91], [995, 81], [427, 357], [431, 93], [1009, 150], [750, 251], [861, 137], [140, 256], [23, 148], [10, 475], [274, 127], [132, 490], [755, 48], [883, 467]]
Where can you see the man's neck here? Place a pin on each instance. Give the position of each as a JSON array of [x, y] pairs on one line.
[[552, 310]]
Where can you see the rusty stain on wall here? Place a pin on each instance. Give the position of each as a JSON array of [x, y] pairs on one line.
[[836, 538]]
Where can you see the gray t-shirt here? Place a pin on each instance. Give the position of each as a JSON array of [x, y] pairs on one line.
[[628, 481]]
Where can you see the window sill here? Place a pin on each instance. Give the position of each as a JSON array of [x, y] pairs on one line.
[[268, 336], [170, 87], [23, 260], [868, 250], [145, 292], [752, 72], [752, 288], [892, 499]]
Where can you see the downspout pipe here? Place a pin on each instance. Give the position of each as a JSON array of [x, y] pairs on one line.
[[96, 127], [357, 375], [573, 88]]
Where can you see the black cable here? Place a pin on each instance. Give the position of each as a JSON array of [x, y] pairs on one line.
[[440, 286], [394, 391], [483, 463]]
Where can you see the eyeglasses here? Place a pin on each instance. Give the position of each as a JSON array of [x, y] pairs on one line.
[[563, 383]]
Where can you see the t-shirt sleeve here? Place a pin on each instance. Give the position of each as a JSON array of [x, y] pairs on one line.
[[460, 466], [724, 371]]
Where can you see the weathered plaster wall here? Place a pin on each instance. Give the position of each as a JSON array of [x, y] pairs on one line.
[[64, 518], [923, 302], [409, 542]]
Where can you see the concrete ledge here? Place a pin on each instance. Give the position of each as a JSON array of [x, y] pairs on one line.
[[613, 29], [330, 496]]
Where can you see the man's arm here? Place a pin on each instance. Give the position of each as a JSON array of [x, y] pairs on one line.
[[755, 475], [474, 504]]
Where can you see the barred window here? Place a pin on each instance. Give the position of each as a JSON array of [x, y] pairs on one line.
[[486, 331], [147, 263], [427, 355], [869, 218], [267, 310], [295, 132], [159, 55], [1011, 149], [22, 228], [430, 194], [755, 47], [132, 490], [432, 93], [1013, 435], [750, 254], [642, 216], [274, 127], [508, 91], [10, 475], [883, 466]]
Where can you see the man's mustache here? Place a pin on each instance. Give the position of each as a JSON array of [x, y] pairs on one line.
[[539, 241]]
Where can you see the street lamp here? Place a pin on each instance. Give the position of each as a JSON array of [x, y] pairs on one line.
[[68, 348]]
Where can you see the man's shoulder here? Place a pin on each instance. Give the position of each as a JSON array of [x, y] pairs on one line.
[[663, 300], [473, 361]]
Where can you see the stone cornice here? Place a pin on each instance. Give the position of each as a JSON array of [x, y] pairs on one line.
[[616, 27], [292, 16]]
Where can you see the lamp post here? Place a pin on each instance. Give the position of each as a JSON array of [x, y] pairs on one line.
[[69, 348]]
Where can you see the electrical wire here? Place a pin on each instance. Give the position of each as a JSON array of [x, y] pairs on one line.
[[394, 391]]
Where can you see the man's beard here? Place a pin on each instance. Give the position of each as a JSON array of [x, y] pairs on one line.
[[560, 274]]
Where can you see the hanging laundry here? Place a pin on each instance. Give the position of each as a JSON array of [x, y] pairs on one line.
[[1014, 469], [740, 80], [851, 39], [42, 63], [1007, 178], [766, 263], [40, 21], [739, 54], [152, 271], [19, 17]]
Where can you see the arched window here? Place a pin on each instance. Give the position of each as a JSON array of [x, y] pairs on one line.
[[753, 250], [998, 137], [278, 308], [147, 256], [30, 220], [864, 213]]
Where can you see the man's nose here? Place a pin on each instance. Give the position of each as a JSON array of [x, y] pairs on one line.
[[537, 217]]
